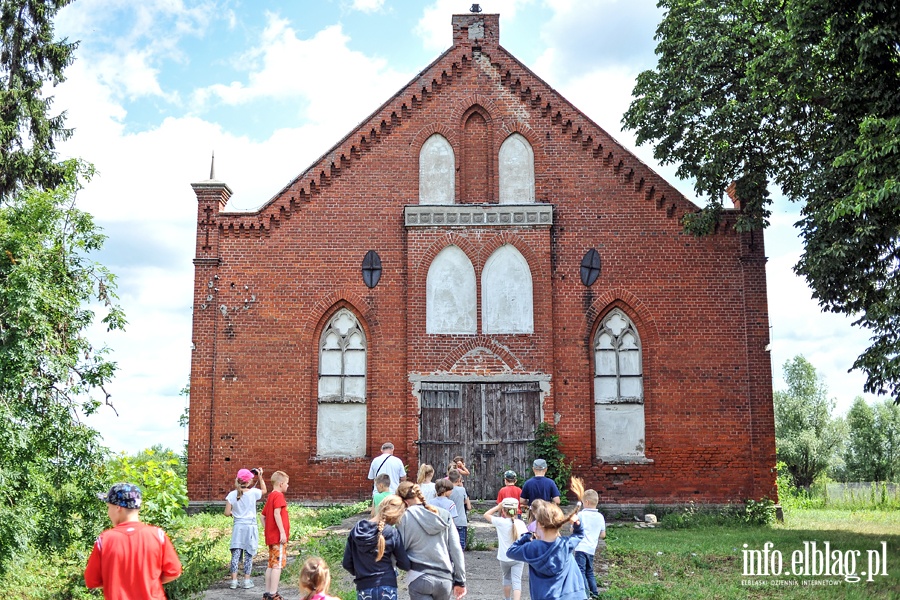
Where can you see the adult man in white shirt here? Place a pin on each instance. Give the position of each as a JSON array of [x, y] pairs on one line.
[[390, 464]]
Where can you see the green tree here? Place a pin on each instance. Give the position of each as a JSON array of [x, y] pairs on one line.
[[806, 437], [161, 476], [806, 96], [50, 373], [30, 58], [873, 443]]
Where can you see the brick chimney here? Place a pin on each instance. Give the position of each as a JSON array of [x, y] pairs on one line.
[[731, 190], [480, 31]]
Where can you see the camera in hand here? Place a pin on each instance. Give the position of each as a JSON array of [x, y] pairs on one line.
[[255, 472]]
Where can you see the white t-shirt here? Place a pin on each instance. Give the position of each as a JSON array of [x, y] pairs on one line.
[[245, 508], [428, 491], [504, 527], [593, 523], [389, 464]]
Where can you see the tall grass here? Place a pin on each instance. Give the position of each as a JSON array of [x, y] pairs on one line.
[[202, 541], [825, 493]]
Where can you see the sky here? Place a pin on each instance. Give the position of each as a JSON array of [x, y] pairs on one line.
[[157, 86]]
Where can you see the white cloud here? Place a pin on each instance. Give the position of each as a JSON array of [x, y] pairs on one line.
[[128, 42], [132, 75], [322, 71], [367, 6]]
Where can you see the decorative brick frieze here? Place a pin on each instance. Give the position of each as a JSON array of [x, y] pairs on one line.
[[479, 215]]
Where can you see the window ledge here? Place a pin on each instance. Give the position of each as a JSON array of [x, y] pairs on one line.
[[478, 215], [627, 460]]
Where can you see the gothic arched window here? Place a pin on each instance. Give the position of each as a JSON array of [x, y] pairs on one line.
[[437, 171], [618, 388], [450, 294], [341, 429], [516, 171], [507, 303]]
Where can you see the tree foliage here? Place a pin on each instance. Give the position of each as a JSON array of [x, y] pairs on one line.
[[29, 59], [803, 94], [160, 474], [873, 444], [50, 373], [806, 437]]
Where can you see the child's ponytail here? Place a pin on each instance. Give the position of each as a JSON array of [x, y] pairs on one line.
[[315, 577], [381, 542], [387, 513], [407, 490]]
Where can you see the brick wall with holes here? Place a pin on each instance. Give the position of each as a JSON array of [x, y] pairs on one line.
[[267, 283]]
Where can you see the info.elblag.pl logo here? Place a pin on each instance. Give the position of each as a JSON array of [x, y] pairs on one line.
[[815, 560]]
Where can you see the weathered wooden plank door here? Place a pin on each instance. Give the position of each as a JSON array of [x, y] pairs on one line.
[[488, 423]]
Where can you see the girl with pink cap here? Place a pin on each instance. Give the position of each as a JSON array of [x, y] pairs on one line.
[[240, 503]]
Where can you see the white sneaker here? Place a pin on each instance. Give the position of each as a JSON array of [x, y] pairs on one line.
[[248, 583], [233, 584]]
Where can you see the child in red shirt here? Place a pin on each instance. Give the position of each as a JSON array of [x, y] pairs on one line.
[[510, 490], [277, 526], [132, 560]]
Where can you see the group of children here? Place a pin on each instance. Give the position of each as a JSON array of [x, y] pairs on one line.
[[240, 503], [559, 567]]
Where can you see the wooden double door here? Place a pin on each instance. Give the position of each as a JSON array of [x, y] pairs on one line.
[[490, 424]]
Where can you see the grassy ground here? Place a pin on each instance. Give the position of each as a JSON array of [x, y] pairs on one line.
[[203, 544], [707, 561], [702, 560]]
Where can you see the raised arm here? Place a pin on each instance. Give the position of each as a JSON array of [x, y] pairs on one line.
[[490, 513]]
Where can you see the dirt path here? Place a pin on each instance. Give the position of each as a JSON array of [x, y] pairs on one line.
[[482, 571]]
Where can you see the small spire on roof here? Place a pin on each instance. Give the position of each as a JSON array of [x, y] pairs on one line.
[[212, 166], [475, 8]]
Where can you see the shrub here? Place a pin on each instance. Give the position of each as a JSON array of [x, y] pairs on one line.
[[546, 446], [157, 473], [758, 512]]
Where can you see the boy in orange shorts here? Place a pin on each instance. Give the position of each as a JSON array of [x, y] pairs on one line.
[[277, 526]]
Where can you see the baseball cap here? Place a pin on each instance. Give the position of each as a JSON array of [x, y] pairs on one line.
[[126, 495], [509, 503], [244, 475], [540, 464], [510, 475]]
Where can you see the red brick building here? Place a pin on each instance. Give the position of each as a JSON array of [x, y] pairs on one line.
[[475, 258]]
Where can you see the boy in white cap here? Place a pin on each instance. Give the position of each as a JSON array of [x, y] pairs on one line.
[[132, 560]]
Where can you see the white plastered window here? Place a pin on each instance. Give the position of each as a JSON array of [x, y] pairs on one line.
[[437, 171], [507, 298], [341, 425], [450, 294], [618, 389], [516, 160]]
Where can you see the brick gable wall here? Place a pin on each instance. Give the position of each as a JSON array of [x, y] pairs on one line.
[[267, 283]]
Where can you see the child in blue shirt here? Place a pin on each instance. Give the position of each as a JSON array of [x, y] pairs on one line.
[[553, 573]]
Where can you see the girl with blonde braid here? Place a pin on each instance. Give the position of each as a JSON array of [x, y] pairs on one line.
[[553, 573], [371, 550], [438, 567], [315, 580]]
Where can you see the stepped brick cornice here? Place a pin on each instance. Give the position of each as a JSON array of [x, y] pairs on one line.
[[539, 99]]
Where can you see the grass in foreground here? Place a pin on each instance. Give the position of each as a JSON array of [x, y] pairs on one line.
[[707, 561], [202, 541]]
